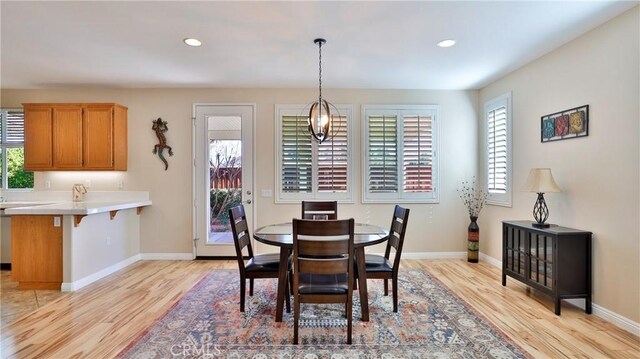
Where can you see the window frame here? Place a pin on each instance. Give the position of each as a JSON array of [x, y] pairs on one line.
[[4, 184], [499, 199], [285, 197], [401, 196]]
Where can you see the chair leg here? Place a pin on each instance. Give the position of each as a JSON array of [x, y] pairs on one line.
[[291, 282], [243, 288], [287, 299], [296, 317], [251, 287], [386, 287], [395, 294], [349, 321]]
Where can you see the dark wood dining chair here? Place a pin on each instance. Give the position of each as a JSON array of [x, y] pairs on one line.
[[328, 208], [380, 267], [258, 266], [323, 266]]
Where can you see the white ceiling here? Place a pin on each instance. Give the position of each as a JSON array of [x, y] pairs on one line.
[[384, 45]]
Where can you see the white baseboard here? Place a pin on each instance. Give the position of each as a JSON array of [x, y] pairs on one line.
[[83, 282], [433, 255], [494, 262], [599, 311], [167, 256]]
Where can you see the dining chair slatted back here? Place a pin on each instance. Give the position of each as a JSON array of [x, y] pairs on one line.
[[240, 230], [258, 266], [311, 209], [379, 267], [323, 266]]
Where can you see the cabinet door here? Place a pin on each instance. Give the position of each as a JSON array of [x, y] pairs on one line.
[[515, 250], [67, 137], [36, 252], [38, 141], [98, 137], [541, 261]]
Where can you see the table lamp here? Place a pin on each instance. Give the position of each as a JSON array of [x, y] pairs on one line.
[[540, 180]]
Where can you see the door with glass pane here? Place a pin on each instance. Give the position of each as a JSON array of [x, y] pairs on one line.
[[223, 175]]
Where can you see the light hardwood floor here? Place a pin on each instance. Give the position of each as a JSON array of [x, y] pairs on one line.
[[100, 320]]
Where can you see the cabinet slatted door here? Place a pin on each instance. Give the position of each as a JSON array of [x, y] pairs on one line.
[[516, 255], [37, 127], [67, 137], [98, 137], [541, 267]]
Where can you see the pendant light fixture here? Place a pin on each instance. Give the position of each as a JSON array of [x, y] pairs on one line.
[[320, 116]]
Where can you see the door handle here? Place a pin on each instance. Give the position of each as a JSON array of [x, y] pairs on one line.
[[248, 201]]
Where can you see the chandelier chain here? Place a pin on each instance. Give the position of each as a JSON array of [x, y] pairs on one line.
[[320, 70]]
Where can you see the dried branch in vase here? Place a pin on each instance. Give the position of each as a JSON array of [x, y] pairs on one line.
[[473, 196]]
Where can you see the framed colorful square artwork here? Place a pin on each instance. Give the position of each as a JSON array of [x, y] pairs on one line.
[[566, 124]]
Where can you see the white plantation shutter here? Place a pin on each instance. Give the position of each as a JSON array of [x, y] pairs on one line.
[[296, 156], [497, 150], [383, 154], [418, 153], [497, 169], [308, 170], [400, 148], [333, 159], [12, 128]]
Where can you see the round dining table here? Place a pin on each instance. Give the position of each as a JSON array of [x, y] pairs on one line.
[[280, 235]]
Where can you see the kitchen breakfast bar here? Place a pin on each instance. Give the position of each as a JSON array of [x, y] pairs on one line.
[[67, 245]]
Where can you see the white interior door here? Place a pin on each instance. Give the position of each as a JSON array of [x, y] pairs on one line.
[[223, 173]]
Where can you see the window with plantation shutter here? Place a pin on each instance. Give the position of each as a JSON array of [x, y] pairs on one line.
[[12, 173], [296, 156], [305, 169], [383, 154], [400, 162], [333, 159], [498, 150], [417, 153]]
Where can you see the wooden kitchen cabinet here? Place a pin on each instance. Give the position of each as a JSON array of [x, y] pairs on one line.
[[82, 136], [39, 130], [36, 251], [67, 137]]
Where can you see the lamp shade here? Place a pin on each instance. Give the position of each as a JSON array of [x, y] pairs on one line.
[[540, 180]]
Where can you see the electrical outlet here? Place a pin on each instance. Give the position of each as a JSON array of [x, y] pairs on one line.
[[108, 240], [87, 183], [47, 184], [120, 184], [56, 221]]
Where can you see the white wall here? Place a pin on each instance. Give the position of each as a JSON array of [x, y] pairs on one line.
[[99, 242], [598, 174], [166, 227]]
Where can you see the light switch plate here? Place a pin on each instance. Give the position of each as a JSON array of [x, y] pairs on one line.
[[56, 221]]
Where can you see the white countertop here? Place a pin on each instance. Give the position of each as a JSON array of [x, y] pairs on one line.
[[73, 208]]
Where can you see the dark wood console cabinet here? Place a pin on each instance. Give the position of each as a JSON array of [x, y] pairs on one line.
[[554, 260]]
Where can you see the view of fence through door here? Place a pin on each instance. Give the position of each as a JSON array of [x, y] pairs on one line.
[[225, 174], [223, 136]]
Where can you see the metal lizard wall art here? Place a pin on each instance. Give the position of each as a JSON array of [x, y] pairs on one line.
[[160, 127]]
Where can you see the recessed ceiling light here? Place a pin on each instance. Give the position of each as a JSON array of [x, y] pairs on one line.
[[447, 43], [192, 42]]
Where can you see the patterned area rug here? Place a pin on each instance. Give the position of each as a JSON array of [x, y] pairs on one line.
[[431, 322]]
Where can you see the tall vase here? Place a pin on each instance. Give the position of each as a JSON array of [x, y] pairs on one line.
[[473, 237]]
